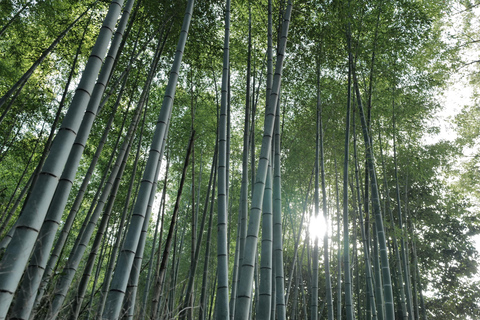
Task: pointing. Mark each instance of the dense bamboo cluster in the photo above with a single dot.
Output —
(112, 214)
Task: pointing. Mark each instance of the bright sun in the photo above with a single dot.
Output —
(317, 227)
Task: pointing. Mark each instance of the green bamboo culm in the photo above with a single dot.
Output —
(141, 245)
(33, 178)
(265, 291)
(127, 254)
(222, 305)
(398, 271)
(326, 258)
(339, 251)
(246, 274)
(404, 252)
(109, 192)
(35, 271)
(244, 189)
(193, 267)
(371, 308)
(28, 225)
(203, 296)
(137, 263)
(63, 234)
(346, 241)
(107, 198)
(277, 226)
(386, 277)
(171, 237)
(243, 207)
(314, 294)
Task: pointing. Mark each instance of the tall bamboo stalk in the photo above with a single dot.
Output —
(387, 283)
(346, 241)
(222, 307)
(326, 258)
(246, 274)
(277, 224)
(404, 260)
(125, 261)
(193, 266)
(264, 308)
(59, 201)
(132, 287)
(65, 232)
(398, 275)
(339, 250)
(314, 295)
(109, 192)
(371, 308)
(203, 296)
(18, 251)
(246, 144)
(168, 242)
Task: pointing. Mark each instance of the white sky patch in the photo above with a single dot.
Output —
(317, 227)
(156, 214)
(476, 239)
(458, 94)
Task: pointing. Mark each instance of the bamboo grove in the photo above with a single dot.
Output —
(232, 160)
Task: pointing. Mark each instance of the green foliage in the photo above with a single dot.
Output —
(412, 61)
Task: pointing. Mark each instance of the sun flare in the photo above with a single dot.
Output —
(317, 227)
